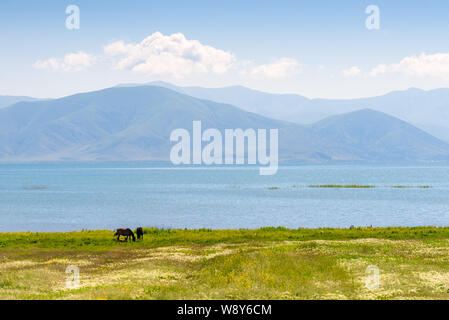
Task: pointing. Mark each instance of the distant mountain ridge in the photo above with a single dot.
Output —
(134, 123)
(377, 136)
(6, 101)
(250, 100)
(428, 110)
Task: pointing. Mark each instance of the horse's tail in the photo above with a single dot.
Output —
(134, 237)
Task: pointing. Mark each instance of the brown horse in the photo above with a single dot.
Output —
(126, 233)
(139, 233)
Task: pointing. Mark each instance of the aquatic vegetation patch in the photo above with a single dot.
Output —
(34, 188)
(411, 187)
(356, 186)
(348, 186)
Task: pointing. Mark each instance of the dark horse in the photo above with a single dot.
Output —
(126, 233)
(139, 233)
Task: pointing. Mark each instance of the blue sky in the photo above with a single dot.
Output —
(314, 48)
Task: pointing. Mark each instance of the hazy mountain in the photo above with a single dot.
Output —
(6, 101)
(134, 123)
(274, 106)
(428, 110)
(129, 124)
(378, 136)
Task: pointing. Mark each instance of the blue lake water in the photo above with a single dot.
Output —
(76, 196)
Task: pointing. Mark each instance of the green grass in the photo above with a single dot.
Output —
(267, 263)
(103, 239)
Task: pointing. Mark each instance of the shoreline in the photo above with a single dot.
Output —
(155, 236)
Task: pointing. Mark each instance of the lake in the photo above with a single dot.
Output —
(76, 196)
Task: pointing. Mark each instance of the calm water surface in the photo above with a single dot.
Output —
(76, 196)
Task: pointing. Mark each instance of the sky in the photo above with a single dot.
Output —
(318, 49)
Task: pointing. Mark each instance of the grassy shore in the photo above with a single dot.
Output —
(268, 263)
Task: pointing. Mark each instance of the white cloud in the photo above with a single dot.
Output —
(436, 65)
(380, 69)
(282, 68)
(70, 62)
(433, 65)
(352, 72)
(172, 55)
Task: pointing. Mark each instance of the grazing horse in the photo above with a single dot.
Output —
(124, 232)
(139, 233)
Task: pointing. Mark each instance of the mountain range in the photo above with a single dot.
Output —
(428, 110)
(134, 123)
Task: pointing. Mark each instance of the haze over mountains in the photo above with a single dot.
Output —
(6, 101)
(134, 123)
(378, 136)
(428, 110)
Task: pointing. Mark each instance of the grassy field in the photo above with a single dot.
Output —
(268, 263)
